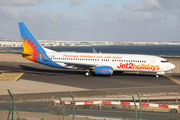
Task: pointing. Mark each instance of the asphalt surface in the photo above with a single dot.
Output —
(45, 107)
(99, 85)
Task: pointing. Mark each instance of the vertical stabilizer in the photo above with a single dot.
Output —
(32, 49)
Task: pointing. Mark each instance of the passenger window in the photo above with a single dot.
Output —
(164, 61)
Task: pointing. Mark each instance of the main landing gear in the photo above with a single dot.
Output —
(87, 73)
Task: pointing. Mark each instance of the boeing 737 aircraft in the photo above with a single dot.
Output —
(99, 63)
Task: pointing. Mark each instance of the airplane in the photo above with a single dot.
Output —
(99, 63)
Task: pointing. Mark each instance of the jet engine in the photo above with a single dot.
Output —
(103, 70)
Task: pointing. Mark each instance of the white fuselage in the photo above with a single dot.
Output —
(119, 62)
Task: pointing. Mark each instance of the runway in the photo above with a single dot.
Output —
(119, 83)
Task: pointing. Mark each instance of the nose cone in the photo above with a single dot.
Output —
(172, 66)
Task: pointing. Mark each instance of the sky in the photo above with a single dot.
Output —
(93, 20)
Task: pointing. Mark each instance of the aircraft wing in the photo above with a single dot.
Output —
(87, 65)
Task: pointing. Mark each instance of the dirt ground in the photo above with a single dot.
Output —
(38, 116)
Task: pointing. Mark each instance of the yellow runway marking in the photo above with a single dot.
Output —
(4, 71)
(10, 76)
(174, 79)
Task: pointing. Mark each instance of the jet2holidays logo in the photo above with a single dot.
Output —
(142, 66)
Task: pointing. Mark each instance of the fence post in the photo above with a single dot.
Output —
(73, 103)
(12, 107)
(135, 108)
(139, 105)
(63, 107)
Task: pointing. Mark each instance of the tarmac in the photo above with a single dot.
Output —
(18, 85)
(27, 86)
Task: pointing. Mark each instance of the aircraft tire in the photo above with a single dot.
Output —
(157, 76)
(87, 73)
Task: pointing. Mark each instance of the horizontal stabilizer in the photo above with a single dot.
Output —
(23, 53)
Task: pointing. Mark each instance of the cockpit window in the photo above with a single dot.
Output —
(164, 61)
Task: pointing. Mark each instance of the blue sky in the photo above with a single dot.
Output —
(93, 20)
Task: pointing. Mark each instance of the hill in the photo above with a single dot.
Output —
(1, 38)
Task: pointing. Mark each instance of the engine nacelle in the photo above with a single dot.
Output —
(103, 70)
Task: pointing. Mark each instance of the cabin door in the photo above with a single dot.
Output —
(153, 62)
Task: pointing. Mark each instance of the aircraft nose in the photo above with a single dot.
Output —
(172, 66)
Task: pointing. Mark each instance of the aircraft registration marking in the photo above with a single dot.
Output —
(10, 76)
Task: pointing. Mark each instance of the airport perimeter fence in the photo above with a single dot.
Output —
(137, 105)
(12, 108)
(98, 102)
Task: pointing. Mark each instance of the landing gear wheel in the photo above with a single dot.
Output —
(87, 73)
(157, 76)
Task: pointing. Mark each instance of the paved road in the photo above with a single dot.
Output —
(45, 107)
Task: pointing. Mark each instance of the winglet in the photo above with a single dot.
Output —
(94, 51)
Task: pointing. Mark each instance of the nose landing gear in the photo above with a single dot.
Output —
(157, 75)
